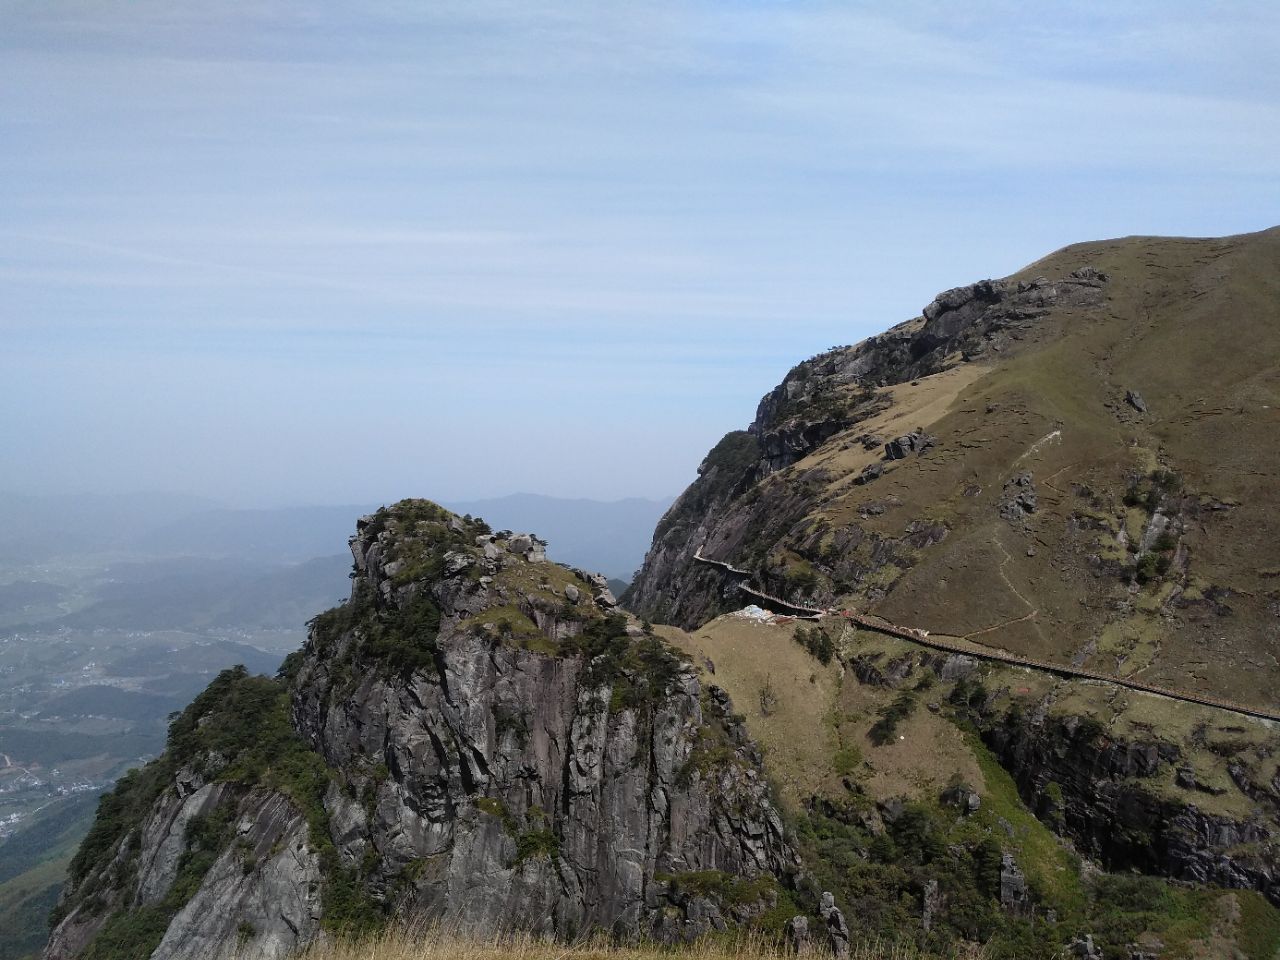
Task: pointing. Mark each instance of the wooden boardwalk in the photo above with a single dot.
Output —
(922, 637)
(802, 612)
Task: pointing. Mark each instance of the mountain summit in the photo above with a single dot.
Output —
(1075, 463)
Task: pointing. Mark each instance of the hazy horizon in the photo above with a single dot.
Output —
(200, 501)
(288, 254)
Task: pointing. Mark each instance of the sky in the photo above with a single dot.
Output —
(297, 253)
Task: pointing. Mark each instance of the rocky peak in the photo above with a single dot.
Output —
(475, 737)
(422, 570)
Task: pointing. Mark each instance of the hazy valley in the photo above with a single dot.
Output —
(116, 612)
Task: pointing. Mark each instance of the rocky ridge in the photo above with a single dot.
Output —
(732, 508)
(1106, 791)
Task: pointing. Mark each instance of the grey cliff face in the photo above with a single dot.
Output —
(475, 766)
(252, 914)
(162, 843)
(163, 840)
(517, 794)
(1113, 818)
(262, 913)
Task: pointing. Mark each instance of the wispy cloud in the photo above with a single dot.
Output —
(518, 210)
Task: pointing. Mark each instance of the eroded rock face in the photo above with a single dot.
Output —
(260, 900)
(477, 739)
(1115, 819)
(262, 913)
(164, 838)
(517, 794)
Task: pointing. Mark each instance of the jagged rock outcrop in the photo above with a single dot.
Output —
(499, 745)
(1015, 897)
(1020, 499)
(837, 929)
(1116, 819)
(473, 738)
(915, 442)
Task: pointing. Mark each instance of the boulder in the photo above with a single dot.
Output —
(837, 929)
(963, 797)
(1015, 896)
(1019, 499)
(797, 934)
(1089, 275)
(915, 442)
(455, 561)
(1084, 948)
(872, 471)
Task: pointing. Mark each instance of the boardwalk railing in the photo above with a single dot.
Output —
(805, 612)
(916, 635)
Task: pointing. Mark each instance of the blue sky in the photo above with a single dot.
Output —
(299, 253)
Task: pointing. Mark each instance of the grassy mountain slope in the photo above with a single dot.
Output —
(1074, 465)
(872, 752)
(1192, 326)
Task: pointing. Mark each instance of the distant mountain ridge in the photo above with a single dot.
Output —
(608, 537)
(604, 536)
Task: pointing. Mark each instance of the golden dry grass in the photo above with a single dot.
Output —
(748, 656)
(409, 943)
(921, 403)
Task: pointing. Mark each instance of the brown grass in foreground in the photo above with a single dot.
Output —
(432, 944)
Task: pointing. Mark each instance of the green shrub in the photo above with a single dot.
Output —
(883, 730)
(539, 843)
(1148, 567)
(818, 642)
(639, 670)
(846, 760)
